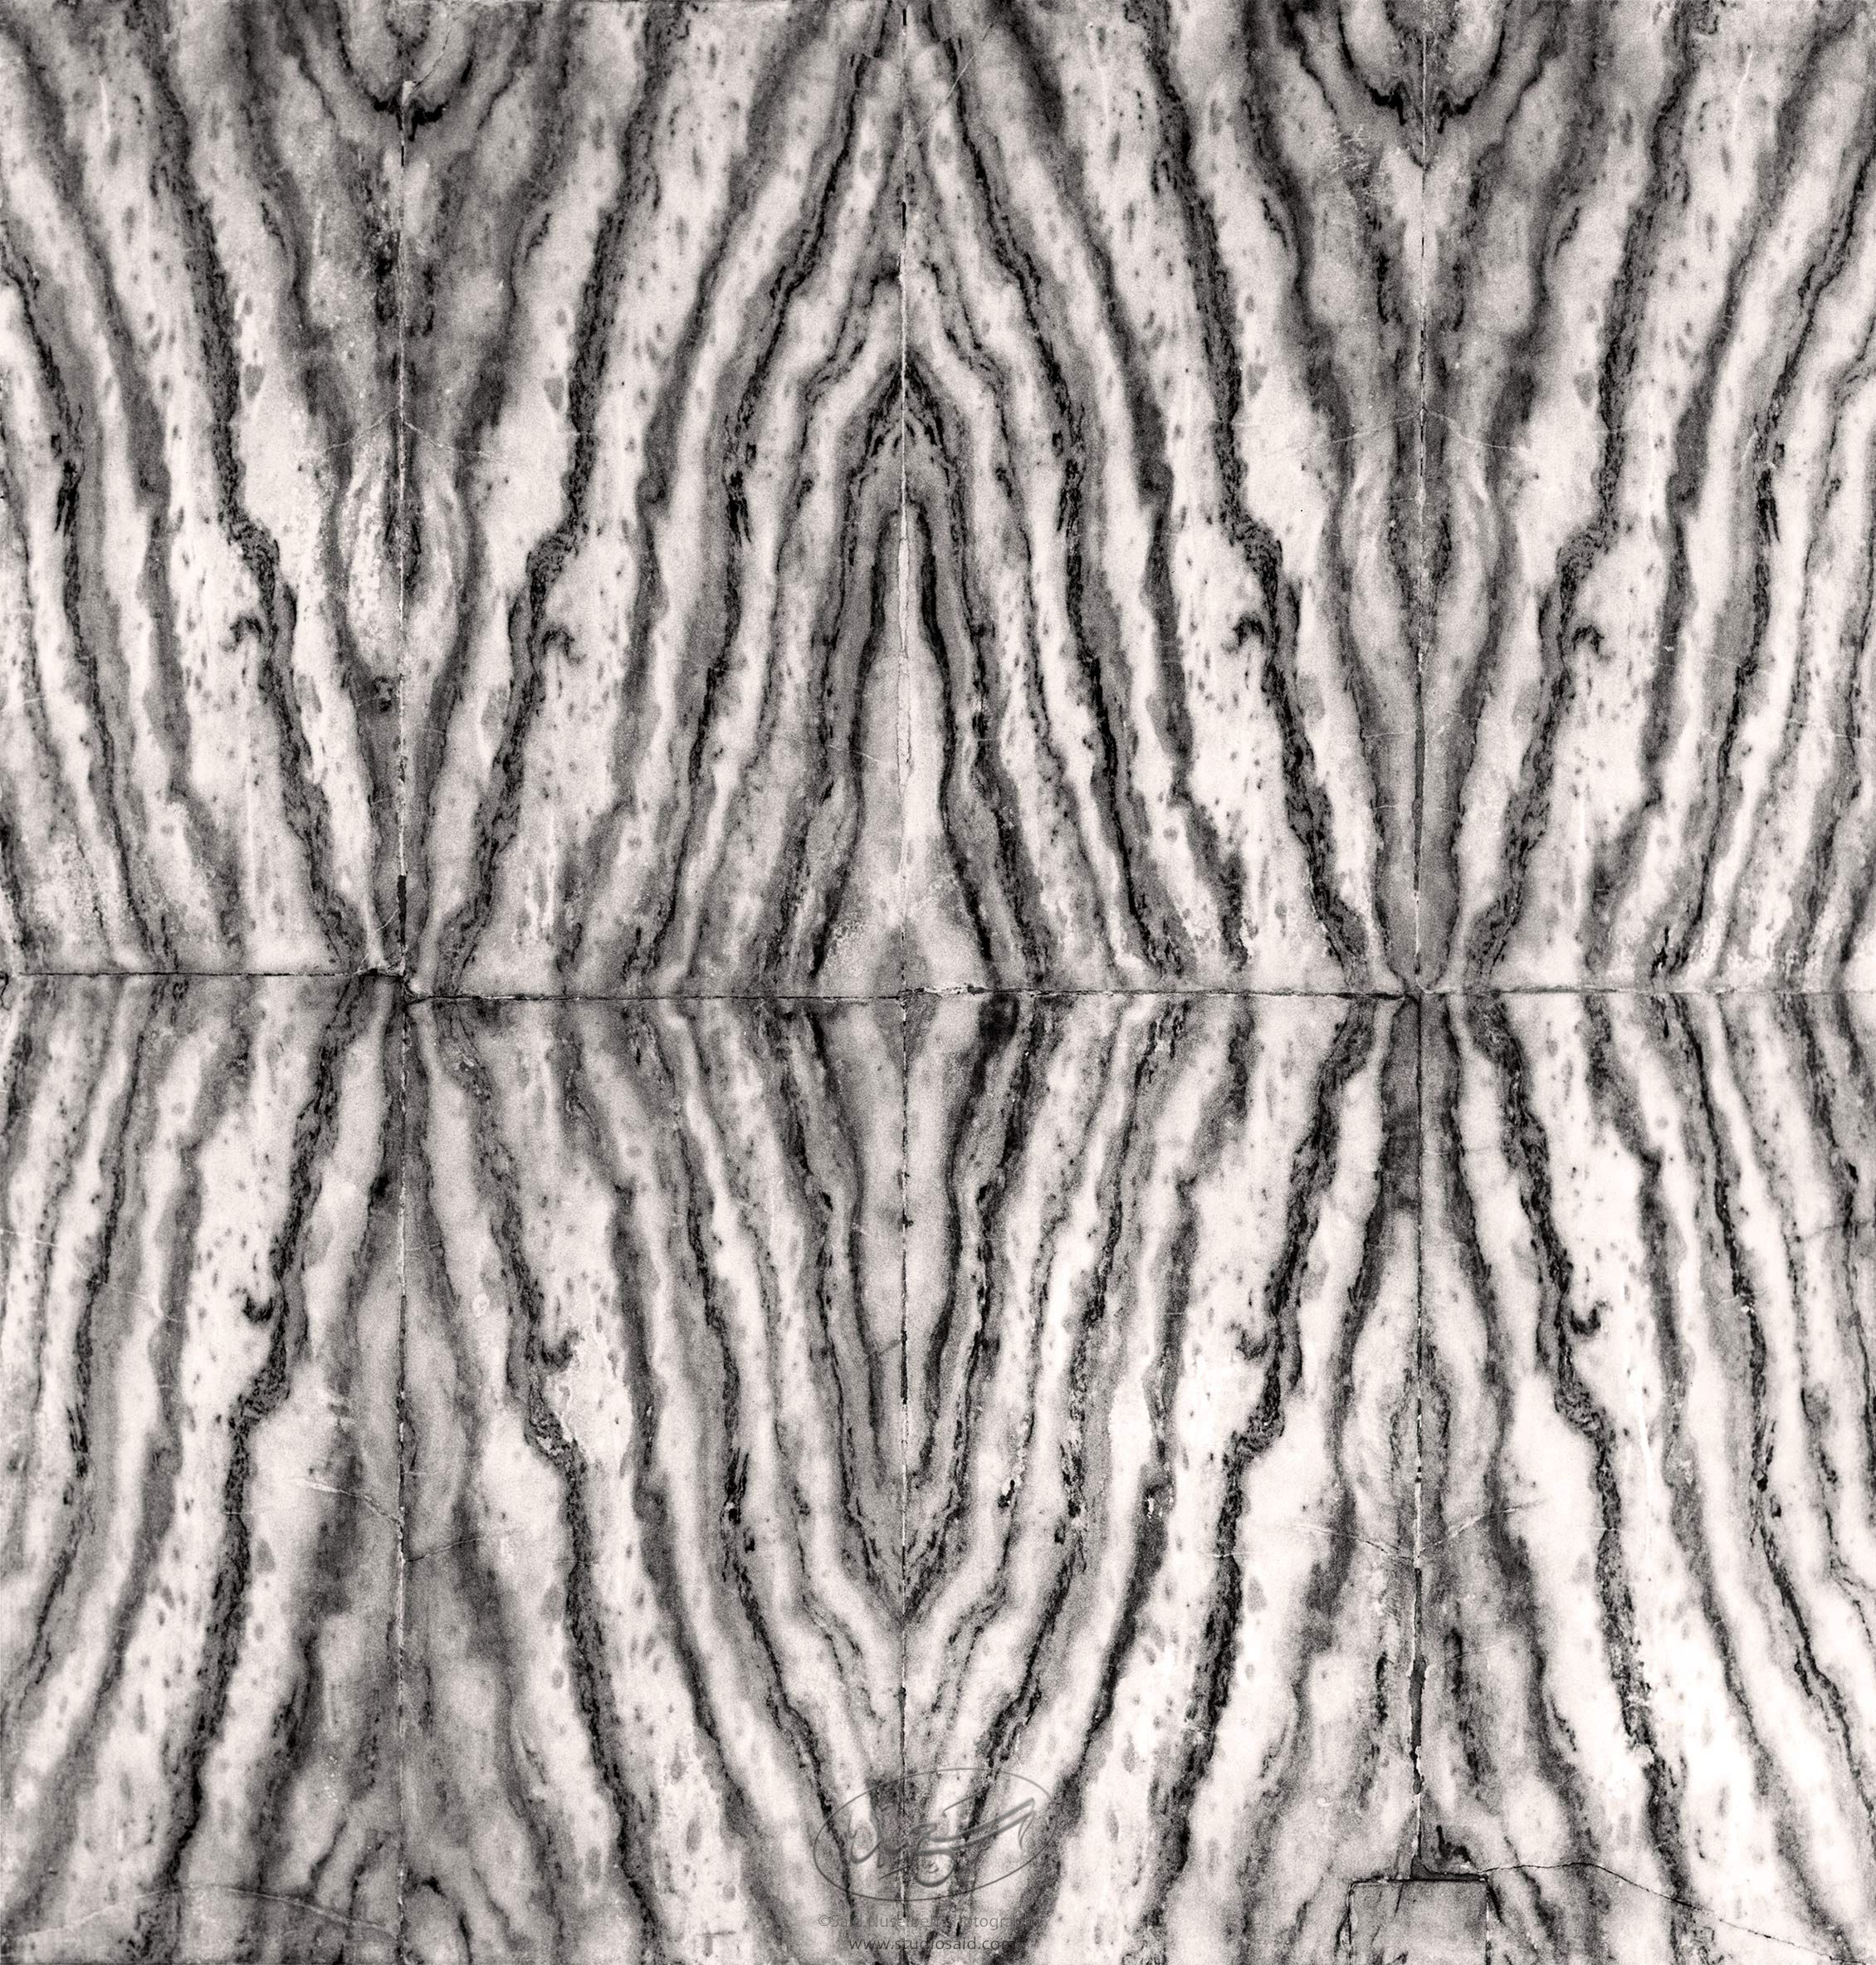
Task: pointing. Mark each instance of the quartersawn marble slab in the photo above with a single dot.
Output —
(198, 489)
(198, 1471)
(1159, 276)
(1649, 1475)
(1649, 686)
(729, 1502)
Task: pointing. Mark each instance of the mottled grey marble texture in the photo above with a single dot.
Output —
(199, 1567)
(937, 912)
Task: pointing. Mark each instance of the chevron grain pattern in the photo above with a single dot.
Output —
(930, 954)
(198, 1365)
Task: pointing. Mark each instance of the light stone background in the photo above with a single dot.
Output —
(894, 886)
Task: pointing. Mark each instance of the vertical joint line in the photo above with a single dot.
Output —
(1416, 1692)
(1421, 616)
(1420, 612)
(401, 440)
(399, 1010)
(907, 136)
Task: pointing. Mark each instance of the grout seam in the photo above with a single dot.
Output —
(909, 993)
(1416, 1636)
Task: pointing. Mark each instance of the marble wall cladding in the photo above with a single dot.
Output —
(1649, 1480)
(641, 497)
(198, 544)
(199, 1474)
(1160, 275)
(937, 912)
(732, 1496)
(1652, 276)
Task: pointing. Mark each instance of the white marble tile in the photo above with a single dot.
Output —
(199, 1516)
(832, 837)
(655, 1554)
(1651, 281)
(1158, 497)
(1649, 1567)
(198, 494)
(652, 669)
(1160, 1452)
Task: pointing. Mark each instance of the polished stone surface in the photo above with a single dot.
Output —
(934, 962)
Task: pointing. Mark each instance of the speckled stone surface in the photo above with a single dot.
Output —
(935, 943)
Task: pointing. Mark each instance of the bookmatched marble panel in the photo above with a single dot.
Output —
(1159, 440)
(913, 497)
(1647, 687)
(199, 1340)
(1649, 1572)
(731, 1503)
(199, 558)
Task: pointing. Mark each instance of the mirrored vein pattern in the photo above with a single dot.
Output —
(198, 1471)
(654, 351)
(1648, 422)
(198, 655)
(734, 1506)
(1650, 1562)
(1157, 502)
(917, 930)
(894, 497)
